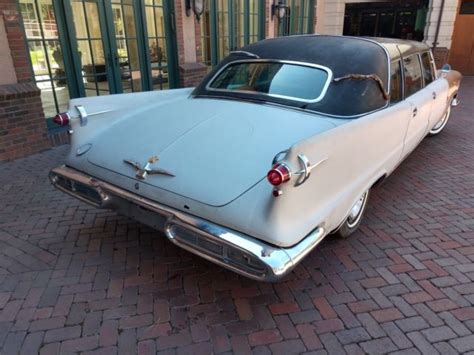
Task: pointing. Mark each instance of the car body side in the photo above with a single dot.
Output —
(354, 155)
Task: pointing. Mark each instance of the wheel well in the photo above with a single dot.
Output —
(379, 181)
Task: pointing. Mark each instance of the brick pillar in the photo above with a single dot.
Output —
(16, 40)
(22, 122)
(188, 35)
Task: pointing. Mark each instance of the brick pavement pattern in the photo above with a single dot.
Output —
(74, 279)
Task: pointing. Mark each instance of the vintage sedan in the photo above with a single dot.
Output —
(277, 148)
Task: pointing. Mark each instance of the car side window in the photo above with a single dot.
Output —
(412, 73)
(395, 82)
(428, 73)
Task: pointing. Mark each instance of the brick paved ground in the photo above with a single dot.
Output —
(77, 279)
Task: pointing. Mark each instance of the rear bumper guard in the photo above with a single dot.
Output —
(233, 250)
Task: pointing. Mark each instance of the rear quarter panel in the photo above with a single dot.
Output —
(358, 154)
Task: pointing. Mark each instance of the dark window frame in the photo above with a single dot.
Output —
(432, 67)
(402, 81)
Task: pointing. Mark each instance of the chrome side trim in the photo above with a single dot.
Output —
(290, 62)
(88, 114)
(277, 261)
(307, 167)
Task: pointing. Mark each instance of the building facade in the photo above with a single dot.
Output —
(54, 50)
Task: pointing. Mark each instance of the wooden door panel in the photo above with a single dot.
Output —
(461, 55)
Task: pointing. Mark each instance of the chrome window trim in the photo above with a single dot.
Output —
(290, 62)
(402, 87)
(249, 54)
(431, 66)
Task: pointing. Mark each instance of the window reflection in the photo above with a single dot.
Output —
(237, 24)
(291, 81)
(157, 44)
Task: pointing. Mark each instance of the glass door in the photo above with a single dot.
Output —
(125, 45)
(228, 25)
(93, 55)
(161, 46)
(299, 18)
(46, 54)
(98, 47)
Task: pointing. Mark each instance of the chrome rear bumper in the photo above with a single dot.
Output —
(238, 252)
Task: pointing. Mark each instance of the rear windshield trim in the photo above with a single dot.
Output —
(291, 62)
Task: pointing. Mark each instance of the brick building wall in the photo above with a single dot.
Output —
(22, 124)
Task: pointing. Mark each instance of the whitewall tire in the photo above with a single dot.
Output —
(353, 219)
(438, 127)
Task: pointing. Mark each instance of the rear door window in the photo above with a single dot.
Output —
(413, 75)
(427, 66)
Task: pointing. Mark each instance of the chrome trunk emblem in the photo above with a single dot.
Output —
(141, 173)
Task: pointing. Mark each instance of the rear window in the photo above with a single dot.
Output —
(280, 79)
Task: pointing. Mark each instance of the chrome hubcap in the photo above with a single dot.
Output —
(355, 213)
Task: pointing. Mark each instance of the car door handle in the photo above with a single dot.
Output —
(415, 111)
(434, 95)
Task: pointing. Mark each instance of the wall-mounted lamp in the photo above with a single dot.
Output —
(11, 16)
(196, 5)
(280, 10)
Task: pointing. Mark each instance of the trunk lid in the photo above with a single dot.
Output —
(217, 149)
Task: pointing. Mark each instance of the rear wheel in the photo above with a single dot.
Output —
(352, 221)
(441, 123)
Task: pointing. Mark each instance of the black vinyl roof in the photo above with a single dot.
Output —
(343, 55)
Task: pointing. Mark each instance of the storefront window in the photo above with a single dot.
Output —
(228, 25)
(45, 54)
(157, 43)
(299, 18)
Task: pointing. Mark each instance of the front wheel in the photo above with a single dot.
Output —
(441, 123)
(352, 221)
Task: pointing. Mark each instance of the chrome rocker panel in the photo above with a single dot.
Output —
(238, 252)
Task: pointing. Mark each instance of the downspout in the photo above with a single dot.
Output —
(438, 25)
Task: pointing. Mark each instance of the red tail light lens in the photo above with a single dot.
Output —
(61, 119)
(279, 174)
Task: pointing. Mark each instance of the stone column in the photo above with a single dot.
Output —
(188, 33)
(448, 16)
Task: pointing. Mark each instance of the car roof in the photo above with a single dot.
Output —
(344, 56)
(399, 47)
(278, 47)
(324, 50)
